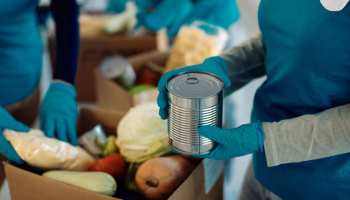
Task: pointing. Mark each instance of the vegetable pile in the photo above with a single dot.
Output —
(137, 158)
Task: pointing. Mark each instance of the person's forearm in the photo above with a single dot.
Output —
(66, 14)
(245, 63)
(308, 137)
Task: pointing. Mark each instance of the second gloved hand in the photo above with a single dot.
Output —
(214, 65)
(58, 112)
(168, 14)
(234, 142)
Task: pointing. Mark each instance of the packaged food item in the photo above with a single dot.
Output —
(119, 70)
(194, 43)
(142, 135)
(159, 177)
(195, 99)
(92, 139)
(48, 153)
(113, 165)
(99, 182)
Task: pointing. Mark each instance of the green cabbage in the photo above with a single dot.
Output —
(142, 135)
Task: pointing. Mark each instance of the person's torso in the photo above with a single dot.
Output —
(308, 71)
(20, 50)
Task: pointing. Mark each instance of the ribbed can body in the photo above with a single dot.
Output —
(190, 111)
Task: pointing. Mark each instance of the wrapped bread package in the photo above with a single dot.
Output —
(194, 43)
(48, 153)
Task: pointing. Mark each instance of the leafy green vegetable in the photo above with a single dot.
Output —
(142, 135)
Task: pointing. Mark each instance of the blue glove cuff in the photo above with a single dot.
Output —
(260, 135)
(65, 88)
(217, 61)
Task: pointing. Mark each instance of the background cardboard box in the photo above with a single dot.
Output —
(113, 97)
(95, 45)
(93, 51)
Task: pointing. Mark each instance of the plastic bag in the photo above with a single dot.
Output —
(196, 42)
(48, 153)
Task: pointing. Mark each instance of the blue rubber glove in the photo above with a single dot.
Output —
(221, 13)
(8, 122)
(145, 5)
(116, 6)
(58, 112)
(168, 14)
(214, 65)
(234, 142)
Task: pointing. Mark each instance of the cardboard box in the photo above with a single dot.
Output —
(107, 99)
(95, 45)
(26, 185)
(108, 110)
(93, 51)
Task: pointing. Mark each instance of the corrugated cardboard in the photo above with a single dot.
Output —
(94, 50)
(110, 95)
(25, 185)
(120, 99)
(90, 116)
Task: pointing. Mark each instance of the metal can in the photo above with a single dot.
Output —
(119, 70)
(195, 99)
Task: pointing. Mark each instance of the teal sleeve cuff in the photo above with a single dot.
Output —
(63, 88)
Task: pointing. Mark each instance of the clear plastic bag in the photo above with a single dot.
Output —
(196, 42)
(48, 153)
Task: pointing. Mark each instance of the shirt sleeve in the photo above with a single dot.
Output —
(308, 137)
(245, 63)
(66, 14)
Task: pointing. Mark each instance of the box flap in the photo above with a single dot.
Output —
(193, 188)
(30, 186)
(139, 60)
(90, 116)
(110, 95)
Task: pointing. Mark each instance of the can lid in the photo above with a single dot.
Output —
(195, 85)
(113, 67)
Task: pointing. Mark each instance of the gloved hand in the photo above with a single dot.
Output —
(214, 65)
(168, 14)
(116, 6)
(234, 142)
(221, 13)
(8, 122)
(58, 112)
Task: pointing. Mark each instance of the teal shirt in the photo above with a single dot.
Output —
(20, 50)
(308, 71)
